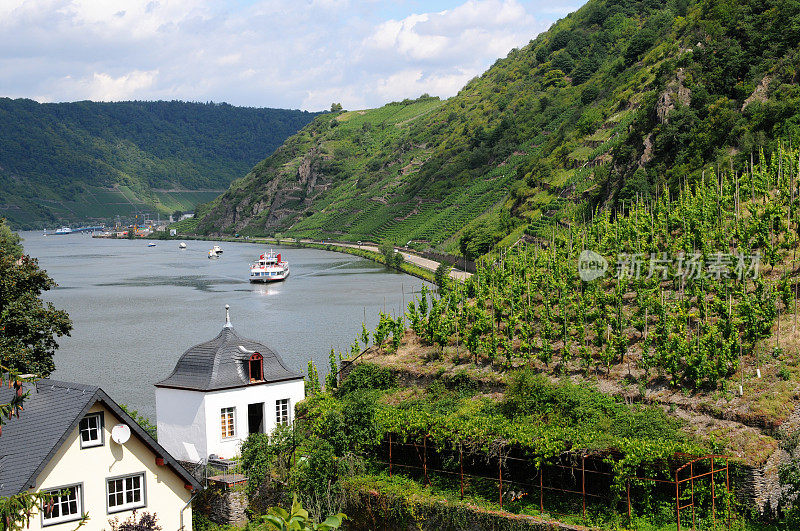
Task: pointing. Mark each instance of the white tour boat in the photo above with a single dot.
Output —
(181, 245)
(269, 268)
(64, 230)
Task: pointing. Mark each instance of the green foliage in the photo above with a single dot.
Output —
(790, 481)
(391, 257)
(142, 421)
(26, 346)
(267, 455)
(593, 112)
(298, 519)
(30, 326)
(442, 275)
(333, 371)
(687, 327)
(476, 241)
(16, 511)
(67, 162)
(367, 376)
(312, 383)
(142, 522)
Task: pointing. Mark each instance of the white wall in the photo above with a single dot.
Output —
(165, 493)
(181, 423)
(240, 398)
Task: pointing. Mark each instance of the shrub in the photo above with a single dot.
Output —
(144, 522)
(367, 376)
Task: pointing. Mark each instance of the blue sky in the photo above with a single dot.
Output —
(262, 53)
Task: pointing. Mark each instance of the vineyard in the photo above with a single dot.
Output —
(686, 291)
(695, 279)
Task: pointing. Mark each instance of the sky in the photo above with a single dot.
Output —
(302, 54)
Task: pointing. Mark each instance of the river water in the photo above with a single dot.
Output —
(136, 309)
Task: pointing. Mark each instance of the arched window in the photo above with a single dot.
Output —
(256, 367)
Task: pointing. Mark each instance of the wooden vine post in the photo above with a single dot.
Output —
(541, 488)
(461, 467)
(425, 458)
(583, 483)
(500, 473)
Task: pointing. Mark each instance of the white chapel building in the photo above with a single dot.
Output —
(220, 392)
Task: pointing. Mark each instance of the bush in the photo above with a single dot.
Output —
(367, 376)
(263, 454)
(145, 522)
(442, 276)
(477, 241)
(589, 94)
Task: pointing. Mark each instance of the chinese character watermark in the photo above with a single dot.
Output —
(591, 266)
(716, 266)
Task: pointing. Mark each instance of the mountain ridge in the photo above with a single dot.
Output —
(589, 113)
(70, 162)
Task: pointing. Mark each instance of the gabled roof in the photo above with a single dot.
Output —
(51, 412)
(222, 364)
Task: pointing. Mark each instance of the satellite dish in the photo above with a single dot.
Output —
(120, 433)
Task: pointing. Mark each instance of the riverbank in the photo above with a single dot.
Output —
(413, 264)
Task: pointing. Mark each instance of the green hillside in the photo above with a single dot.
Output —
(614, 102)
(71, 162)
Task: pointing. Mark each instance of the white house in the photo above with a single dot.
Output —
(62, 444)
(220, 392)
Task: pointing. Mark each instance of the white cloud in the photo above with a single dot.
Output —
(262, 52)
(104, 87)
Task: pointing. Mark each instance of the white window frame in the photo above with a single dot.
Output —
(92, 417)
(57, 496)
(126, 505)
(283, 411)
(231, 412)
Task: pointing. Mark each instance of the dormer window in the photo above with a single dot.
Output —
(256, 365)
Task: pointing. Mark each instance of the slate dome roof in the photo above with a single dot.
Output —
(222, 364)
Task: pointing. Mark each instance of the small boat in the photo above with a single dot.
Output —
(64, 230)
(217, 249)
(151, 244)
(181, 245)
(269, 268)
(212, 253)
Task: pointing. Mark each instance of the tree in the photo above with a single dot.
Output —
(26, 346)
(30, 326)
(476, 241)
(442, 276)
(336, 107)
(141, 420)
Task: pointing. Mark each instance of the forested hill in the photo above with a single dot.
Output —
(615, 101)
(70, 162)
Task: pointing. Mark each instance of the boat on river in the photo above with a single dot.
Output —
(151, 244)
(64, 230)
(269, 268)
(181, 245)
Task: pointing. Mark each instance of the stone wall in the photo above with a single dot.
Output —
(223, 504)
(760, 487)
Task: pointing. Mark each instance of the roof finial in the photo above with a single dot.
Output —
(228, 317)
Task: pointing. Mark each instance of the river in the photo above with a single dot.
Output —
(136, 309)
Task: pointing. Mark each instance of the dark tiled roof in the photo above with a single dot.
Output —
(51, 411)
(221, 364)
